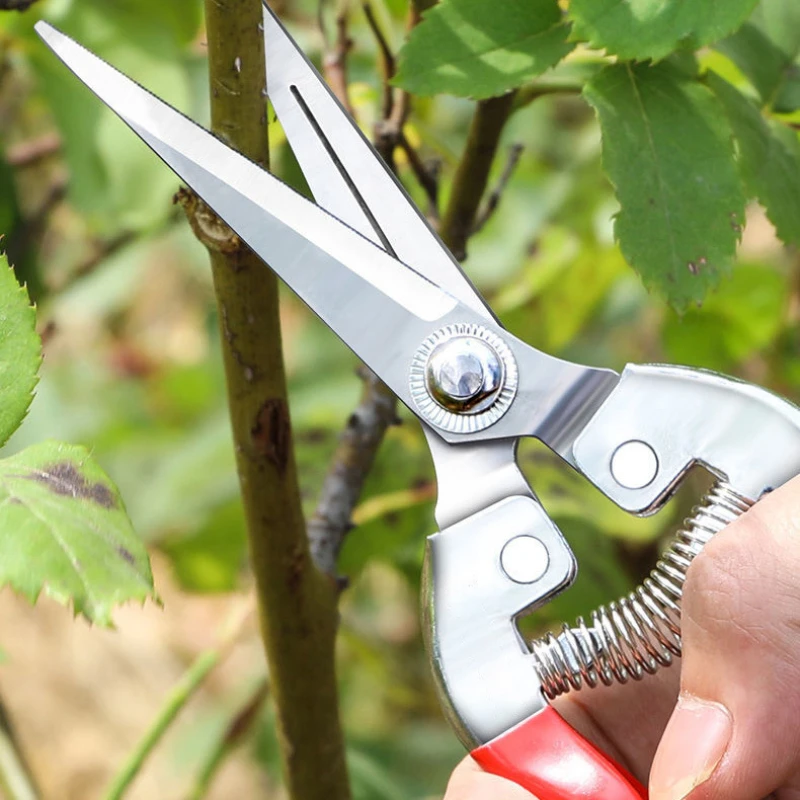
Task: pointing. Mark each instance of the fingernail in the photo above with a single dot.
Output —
(693, 744)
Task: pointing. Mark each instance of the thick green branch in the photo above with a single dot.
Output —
(472, 175)
(297, 603)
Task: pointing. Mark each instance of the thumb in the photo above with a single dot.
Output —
(734, 733)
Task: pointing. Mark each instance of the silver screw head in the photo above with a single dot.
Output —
(464, 374)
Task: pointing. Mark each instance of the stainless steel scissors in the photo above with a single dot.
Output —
(366, 261)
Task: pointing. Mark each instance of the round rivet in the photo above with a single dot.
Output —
(634, 465)
(464, 374)
(524, 559)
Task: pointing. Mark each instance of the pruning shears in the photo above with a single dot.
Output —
(368, 263)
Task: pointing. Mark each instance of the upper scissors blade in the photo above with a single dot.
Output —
(379, 307)
(346, 175)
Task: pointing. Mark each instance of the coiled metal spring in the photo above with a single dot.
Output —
(641, 632)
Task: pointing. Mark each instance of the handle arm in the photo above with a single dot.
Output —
(549, 758)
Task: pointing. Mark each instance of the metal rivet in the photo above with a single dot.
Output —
(524, 559)
(634, 465)
(464, 374)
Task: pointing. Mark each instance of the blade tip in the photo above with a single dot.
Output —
(47, 33)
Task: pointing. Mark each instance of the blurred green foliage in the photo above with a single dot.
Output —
(126, 308)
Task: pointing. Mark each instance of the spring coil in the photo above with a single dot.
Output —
(641, 632)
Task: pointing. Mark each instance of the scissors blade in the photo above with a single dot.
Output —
(346, 175)
(379, 307)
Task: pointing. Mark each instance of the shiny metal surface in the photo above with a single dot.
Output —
(641, 632)
(471, 476)
(524, 559)
(379, 307)
(744, 434)
(634, 465)
(464, 374)
(440, 357)
(346, 175)
(484, 671)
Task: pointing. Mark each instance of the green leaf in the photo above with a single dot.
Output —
(474, 49)
(64, 531)
(20, 352)
(768, 158)
(765, 50)
(668, 151)
(652, 29)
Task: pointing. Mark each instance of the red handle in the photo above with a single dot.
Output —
(546, 756)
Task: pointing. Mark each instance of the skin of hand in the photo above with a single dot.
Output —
(724, 722)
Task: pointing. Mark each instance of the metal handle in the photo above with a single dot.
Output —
(549, 758)
(745, 435)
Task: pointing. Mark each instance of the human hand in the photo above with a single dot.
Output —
(735, 731)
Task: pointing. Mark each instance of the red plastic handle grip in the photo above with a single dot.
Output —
(552, 760)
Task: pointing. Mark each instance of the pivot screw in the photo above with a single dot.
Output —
(634, 465)
(463, 378)
(464, 375)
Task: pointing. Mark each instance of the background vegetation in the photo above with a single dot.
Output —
(551, 182)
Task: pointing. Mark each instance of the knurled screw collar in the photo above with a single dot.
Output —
(463, 378)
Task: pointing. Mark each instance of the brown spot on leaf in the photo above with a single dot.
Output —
(271, 432)
(126, 554)
(63, 478)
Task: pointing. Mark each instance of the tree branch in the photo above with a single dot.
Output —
(24, 154)
(387, 61)
(297, 603)
(493, 200)
(472, 174)
(334, 62)
(349, 468)
(396, 106)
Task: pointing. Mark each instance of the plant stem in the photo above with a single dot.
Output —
(472, 175)
(16, 781)
(180, 694)
(241, 725)
(297, 603)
